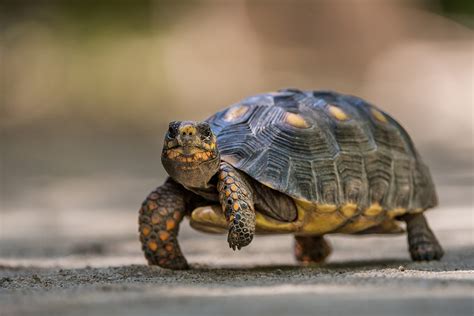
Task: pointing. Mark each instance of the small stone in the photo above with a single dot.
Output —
(401, 268)
(36, 278)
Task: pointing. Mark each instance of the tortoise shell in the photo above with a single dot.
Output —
(324, 148)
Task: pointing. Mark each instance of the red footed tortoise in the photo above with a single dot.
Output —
(307, 163)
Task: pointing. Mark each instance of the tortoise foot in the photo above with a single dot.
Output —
(173, 263)
(425, 248)
(422, 243)
(311, 249)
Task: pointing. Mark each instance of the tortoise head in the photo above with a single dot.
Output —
(190, 154)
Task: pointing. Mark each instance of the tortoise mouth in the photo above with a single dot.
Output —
(188, 154)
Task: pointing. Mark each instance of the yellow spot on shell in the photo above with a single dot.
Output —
(235, 112)
(396, 212)
(227, 193)
(349, 209)
(152, 245)
(373, 210)
(236, 206)
(229, 181)
(296, 120)
(235, 196)
(378, 115)
(233, 187)
(327, 208)
(337, 113)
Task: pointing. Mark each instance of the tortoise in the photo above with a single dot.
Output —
(307, 163)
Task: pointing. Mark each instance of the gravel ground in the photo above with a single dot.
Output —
(102, 272)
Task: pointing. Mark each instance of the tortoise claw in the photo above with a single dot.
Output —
(237, 239)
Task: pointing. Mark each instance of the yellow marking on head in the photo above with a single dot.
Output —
(378, 115)
(172, 154)
(235, 112)
(296, 120)
(373, 210)
(337, 113)
(396, 212)
(197, 154)
(326, 208)
(187, 129)
(152, 245)
(349, 209)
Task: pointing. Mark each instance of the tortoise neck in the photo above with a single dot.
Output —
(192, 175)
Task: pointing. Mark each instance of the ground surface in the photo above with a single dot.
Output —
(92, 265)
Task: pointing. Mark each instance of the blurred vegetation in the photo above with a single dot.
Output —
(459, 10)
(88, 87)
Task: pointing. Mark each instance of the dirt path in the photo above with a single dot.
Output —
(97, 275)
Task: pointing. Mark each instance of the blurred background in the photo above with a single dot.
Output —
(88, 88)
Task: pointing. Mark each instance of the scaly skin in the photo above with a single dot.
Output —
(311, 249)
(235, 196)
(159, 219)
(422, 243)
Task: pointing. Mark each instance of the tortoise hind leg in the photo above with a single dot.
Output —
(311, 249)
(422, 243)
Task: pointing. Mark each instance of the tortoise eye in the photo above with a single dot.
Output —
(172, 130)
(205, 130)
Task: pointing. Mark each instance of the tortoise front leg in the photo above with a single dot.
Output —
(159, 219)
(236, 198)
